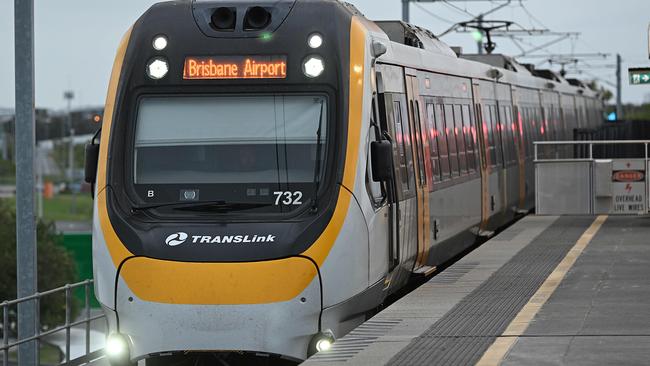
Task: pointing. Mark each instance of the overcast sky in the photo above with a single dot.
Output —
(76, 39)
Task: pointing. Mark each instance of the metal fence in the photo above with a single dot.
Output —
(592, 177)
(591, 150)
(36, 298)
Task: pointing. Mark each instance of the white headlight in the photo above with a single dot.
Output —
(323, 345)
(160, 43)
(157, 68)
(315, 40)
(116, 346)
(313, 66)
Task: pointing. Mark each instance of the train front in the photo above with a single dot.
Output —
(226, 164)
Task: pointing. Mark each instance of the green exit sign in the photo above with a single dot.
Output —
(639, 76)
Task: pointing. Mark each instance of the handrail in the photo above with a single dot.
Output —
(594, 142)
(67, 326)
(591, 144)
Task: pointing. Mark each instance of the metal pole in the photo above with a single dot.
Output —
(479, 43)
(87, 308)
(4, 154)
(25, 141)
(5, 334)
(68, 320)
(406, 16)
(68, 96)
(619, 104)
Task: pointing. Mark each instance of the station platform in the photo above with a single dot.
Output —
(548, 290)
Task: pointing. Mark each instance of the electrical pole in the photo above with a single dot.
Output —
(479, 41)
(69, 95)
(25, 141)
(619, 105)
(406, 16)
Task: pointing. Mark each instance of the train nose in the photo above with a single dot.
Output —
(283, 328)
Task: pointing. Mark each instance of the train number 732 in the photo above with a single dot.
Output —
(288, 198)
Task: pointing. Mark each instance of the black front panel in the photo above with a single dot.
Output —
(246, 219)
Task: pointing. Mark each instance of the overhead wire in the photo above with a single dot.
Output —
(458, 8)
(432, 14)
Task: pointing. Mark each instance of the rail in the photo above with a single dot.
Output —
(590, 145)
(7, 345)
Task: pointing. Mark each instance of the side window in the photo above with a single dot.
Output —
(487, 124)
(532, 130)
(469, 141)
(451, 139)
(432, 134)
(442, 143)
(508, 140)
(401, 137)
(460, 139)
(497, 127)
(418, 141)
(374, 188)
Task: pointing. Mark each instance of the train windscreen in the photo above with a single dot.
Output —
(232, 147)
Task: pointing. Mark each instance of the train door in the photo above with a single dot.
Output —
(420, 156)
(485, 160)
(399, 130)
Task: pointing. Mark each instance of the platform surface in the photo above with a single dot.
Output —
(546, 291)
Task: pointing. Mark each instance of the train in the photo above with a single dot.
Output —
(268, 172)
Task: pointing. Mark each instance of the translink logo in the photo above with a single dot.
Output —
(181, 237)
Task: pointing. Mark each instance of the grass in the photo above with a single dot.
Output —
(49, 354)
(66, 207)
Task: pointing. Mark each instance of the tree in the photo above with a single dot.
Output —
(55, 266)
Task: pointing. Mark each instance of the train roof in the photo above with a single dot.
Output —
(418, 48)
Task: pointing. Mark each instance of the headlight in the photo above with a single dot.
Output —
(160, 43)
(315, 40)
(321, 342)
(116, 347)
(313, 66)
(157, 68)
(323, 345)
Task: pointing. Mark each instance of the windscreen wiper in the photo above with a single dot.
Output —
(317, 168)
(217, 205)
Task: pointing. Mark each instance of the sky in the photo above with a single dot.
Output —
(75, 40)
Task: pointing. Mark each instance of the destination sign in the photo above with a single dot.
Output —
(235, 67)
(639, 76)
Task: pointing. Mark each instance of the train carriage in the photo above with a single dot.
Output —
(269, 172)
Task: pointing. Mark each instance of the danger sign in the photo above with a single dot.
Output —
(628, 176)
(628, 187)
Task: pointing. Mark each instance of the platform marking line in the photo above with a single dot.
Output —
(502, 345)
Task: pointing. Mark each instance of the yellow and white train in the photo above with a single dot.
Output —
(270, 171)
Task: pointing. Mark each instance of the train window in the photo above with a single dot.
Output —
(432, 134)
(529, 131)
(469, 139)
(375, 189)
(487, 124)
(239, 147)
(168, 152)
(460, 139)
(451, 139)
(442, 143)
(497, 126)
(418, 141)
(508, 140)
(532, 130)
(402, 138)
